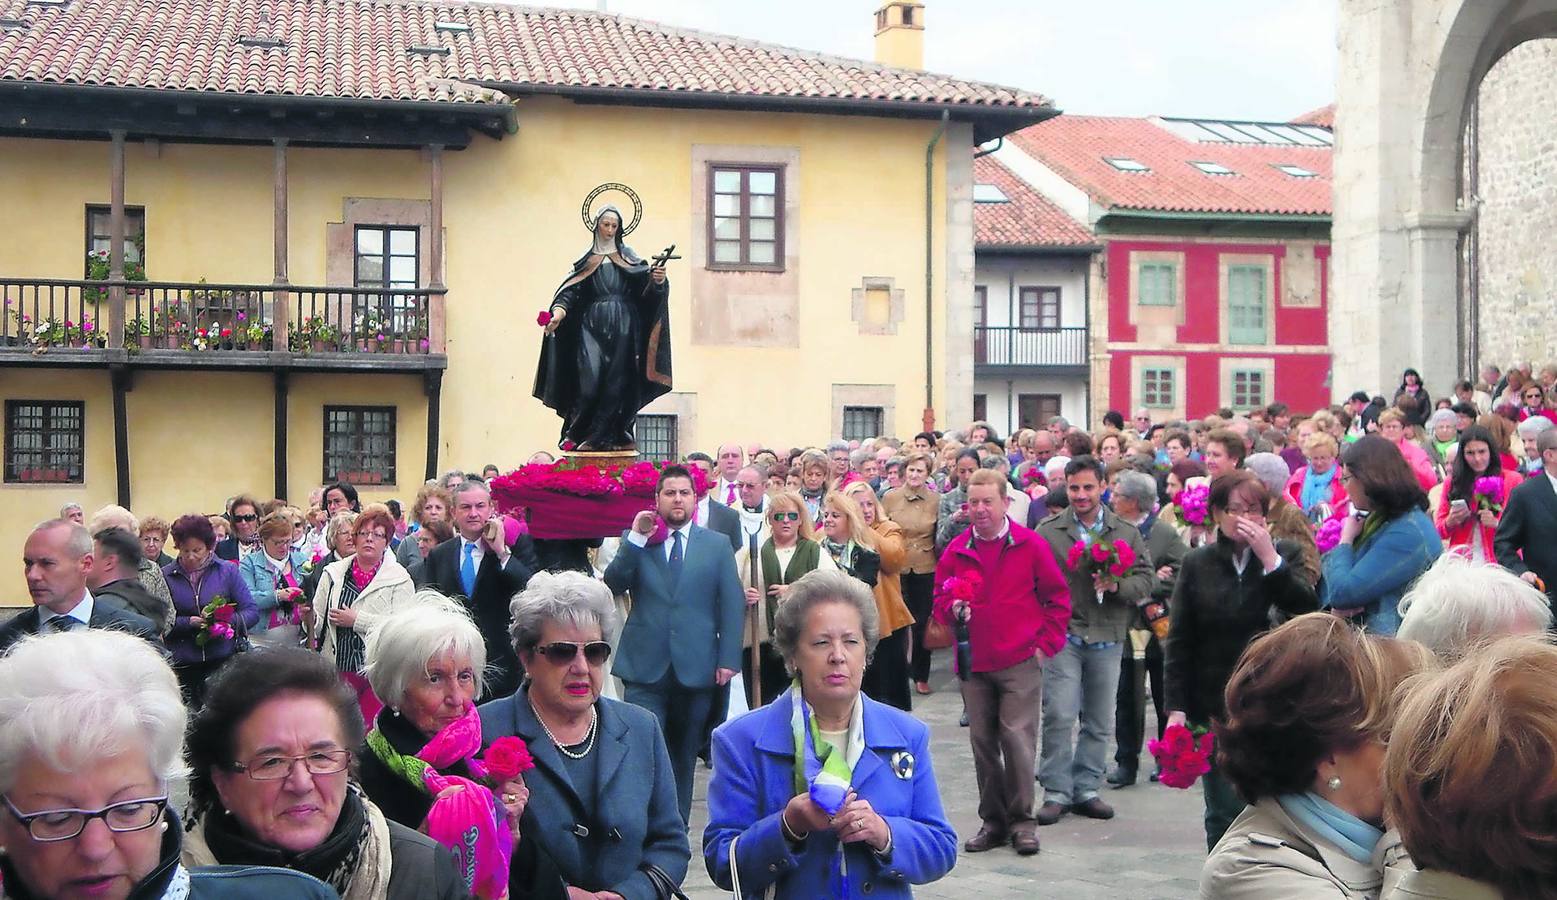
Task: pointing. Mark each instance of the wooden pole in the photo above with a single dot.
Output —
(281, 297)
(753, 560)
(115, 245)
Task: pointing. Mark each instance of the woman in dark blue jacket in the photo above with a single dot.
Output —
(825, 792)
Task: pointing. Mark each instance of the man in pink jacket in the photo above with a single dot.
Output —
(1017, 615)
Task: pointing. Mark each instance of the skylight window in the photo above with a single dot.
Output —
(1126, 164)
(1211, 168)
(989, 193)
(1296, 171)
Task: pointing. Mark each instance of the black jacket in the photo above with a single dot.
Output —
(1166, 549)
(134, 596)
(1216, 613)
(1524, 537)
(727, 522)
(495, 589)
(106, 613)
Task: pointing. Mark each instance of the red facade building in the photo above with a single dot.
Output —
(1215, 261)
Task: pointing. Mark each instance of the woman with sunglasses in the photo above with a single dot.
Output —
(1532, 402)
(789, 552)
(271, 759)
(91, 728)
(602, 796)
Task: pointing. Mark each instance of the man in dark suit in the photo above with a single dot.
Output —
(243, 512)
(57, 558)
(682, 639)
(1524, 542)
(710, 514)
(478, 567)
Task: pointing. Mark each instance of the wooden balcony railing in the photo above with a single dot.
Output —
(41, 314)
(1005, 345)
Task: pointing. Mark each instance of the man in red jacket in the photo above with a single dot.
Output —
(1019, 612)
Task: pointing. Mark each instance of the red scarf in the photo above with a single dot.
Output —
(363, 578)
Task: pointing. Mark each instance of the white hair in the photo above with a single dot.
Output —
(114, 516)
(1270, 469)
(1055, 467)
(402, 644)
(1459, 603)
(78, 698)
(570, 597)
(1533, 426)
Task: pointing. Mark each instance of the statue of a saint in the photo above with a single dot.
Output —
(607, 347)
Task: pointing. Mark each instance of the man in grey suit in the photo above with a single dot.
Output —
(57, 559)
(683, 636)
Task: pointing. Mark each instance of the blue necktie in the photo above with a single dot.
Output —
(468, 571)
(676, 558)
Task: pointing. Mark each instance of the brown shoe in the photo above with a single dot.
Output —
(1025, 840)
(922, 687)
(988, 838)
(1051, 812)
(1094, 808)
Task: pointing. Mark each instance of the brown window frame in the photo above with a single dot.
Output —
(131, 213)
(74, 457)
(385, 472)
(745, 170)
(1041, 295)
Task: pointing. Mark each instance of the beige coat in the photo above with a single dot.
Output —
(1266, 855)
(915, 512)
(390, 590)
(1430, 885)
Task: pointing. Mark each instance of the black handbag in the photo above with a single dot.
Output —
(664, 887)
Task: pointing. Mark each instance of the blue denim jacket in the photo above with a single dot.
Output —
(1377, 575)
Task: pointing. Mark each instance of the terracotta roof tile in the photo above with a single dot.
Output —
(1324, 117)
(1028, 219)
(1075, 148)
(359, 49)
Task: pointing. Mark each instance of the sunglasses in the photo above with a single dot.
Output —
(560, 653)
(786, 517)
(246, 518)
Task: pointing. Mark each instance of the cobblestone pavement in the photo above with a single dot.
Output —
(1153, 848)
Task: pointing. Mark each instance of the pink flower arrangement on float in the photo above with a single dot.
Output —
(587, 480)
(1194, 504)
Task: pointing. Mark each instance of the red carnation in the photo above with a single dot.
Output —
(1100, 552)
(226, 332)
(1077, 551)
(507, 759)
(544, 318)
(1125, 554)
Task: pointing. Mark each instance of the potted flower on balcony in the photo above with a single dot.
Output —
(97, 270)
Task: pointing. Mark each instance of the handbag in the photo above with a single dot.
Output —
(735, 877)
(938, 635)
(665, 887)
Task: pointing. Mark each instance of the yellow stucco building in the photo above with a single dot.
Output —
(388, 193)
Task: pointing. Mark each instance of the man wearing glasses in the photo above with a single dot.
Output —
(243, 512)
(682, 639)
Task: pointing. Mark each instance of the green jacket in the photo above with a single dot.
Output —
(1092, 620)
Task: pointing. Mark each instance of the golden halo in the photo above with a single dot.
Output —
(589, 220)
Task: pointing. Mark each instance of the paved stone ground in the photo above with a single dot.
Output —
(1153, 848)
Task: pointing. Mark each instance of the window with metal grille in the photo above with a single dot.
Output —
(359, 444)
(1248, 388)
(861, 422)
(656, 436)
(1040, 308)
(1157, 388)
(44, 441)
(99, 233)
(1246, 304)
(1159, 284)
(387, 256)
(746, 217)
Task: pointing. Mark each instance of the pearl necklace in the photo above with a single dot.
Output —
(562, 748)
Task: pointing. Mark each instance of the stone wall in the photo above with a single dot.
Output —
(1518, 217)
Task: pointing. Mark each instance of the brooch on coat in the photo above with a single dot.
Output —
(903, 764)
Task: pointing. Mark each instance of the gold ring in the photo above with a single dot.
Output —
(510, 798)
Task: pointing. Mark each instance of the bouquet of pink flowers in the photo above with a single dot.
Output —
(1489, 493)
(216, 621)
(1108, 559)
(1329, 534)
(1194, 504)
(1183, 755)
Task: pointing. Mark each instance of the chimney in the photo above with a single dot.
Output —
(900, 34)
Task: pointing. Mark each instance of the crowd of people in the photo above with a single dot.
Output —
(1355, 604)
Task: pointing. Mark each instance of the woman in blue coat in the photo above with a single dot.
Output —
(1378, 556)
(825, 792)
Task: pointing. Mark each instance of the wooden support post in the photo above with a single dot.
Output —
(437, 307)
(282, 391)
(120, 379)
(281, 309)
(115, 244)
(432, 383)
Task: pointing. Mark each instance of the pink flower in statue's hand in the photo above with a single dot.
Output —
(567, 446)
(544, 318)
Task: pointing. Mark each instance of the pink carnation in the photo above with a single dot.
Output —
(1329, 534)
(1490, 488)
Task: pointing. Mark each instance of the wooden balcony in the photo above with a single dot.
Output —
(156, 324)
(1049, 351)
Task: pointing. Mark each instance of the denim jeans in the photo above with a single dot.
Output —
(1079, 681)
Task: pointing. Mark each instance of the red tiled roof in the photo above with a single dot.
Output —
(1028, 220)
(1324, 117)
(362, 49)
(1075, 147)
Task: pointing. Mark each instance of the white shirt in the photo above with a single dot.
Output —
(700, 512)
(722, 490)
(642, 540)
(477, 553)
(81, 613)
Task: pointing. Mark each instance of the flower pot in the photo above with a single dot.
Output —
(145, 341)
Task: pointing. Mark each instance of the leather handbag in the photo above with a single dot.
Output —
(938, 636)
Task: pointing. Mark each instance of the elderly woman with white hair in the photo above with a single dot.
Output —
(602, 793)
(1286, 519)
(91, 733)
(427, 664)
(1442, 438)
(1460, 603)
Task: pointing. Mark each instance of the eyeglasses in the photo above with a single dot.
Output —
(276, 767)
(786, 517)
(63, 824)
(375, 534)
(1246, 511)
(246, 517)
(560, 653)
